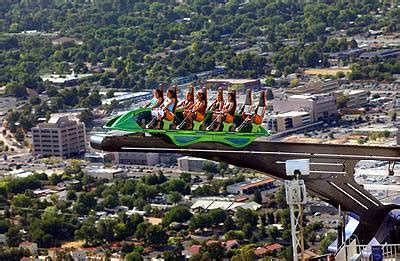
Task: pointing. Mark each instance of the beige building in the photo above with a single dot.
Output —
(315, 87)
(288, 120)
(322, 107)
(355, 98)
(61, 136)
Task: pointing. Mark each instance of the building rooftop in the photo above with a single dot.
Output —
(60, 79)
(257, 183)
(224, 204)
(190, 158)
(202, 204)
(220, 204)
(233, 81)
(58, 120)
(126, 97)
(352, 92)
(290, 114)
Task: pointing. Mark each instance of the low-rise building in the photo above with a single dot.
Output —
(64, 80)
(354, 98)
(104, 173)
(228, 205)
(288, 120)
(60, 137)
(322, 107)
(30, 246)
(189, 164)
(380, 54)
(3, 238)
(315, 87)
(254, 84)
(136, 158)
(65, 40)
(130, 97)
(78, 255)
(249, 187)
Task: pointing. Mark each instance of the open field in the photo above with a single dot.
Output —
(326, 71)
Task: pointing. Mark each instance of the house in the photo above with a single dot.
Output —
(54, 252)
(208, 204)
(213, 242)
(2, 238)
(78, 255)
(116, 257)
(273, 247)
(231, 244)
(31, 246)
(192, 250)
(263, 251)
(65, 40)
(260, 252)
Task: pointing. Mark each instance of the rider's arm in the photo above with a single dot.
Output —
(157, 103)
(172, 101)
(188, 106)
(229, 107)
(197, 106)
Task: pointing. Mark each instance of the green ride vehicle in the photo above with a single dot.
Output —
(238, 134)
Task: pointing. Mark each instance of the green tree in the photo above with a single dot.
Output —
(20, 135)
(257, 197)
(247, 216)
(105, 229)
(186, 177)
(177, 214)
(4, 226)
(16, 89)
(174, 197)
(133, 256)
(228, 225)
(325, 242)
(155, 235)
(87, 117)
(210, 167)
(13, 237)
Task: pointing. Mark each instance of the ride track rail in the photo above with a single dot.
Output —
(331, 167)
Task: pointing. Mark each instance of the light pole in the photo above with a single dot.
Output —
(296, 198)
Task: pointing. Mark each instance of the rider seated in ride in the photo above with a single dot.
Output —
(166, 110)
(218, 103)
(227, 114)
(188, 102)
(255, 116)
(157, 99)
(195, 112)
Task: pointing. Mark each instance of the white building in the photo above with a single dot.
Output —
(287, 120)
(137, 158)
(189, 164)
(131, 97)
(104, 173)
(68, 79)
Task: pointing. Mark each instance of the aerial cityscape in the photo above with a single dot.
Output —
(199, 130)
